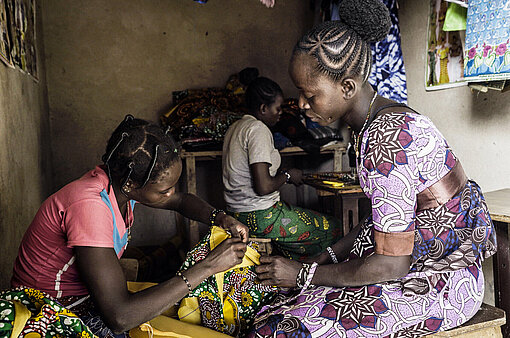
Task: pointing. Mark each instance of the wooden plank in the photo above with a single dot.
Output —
(485, 323)
(191, 185)
(336, 149)
(499, 204)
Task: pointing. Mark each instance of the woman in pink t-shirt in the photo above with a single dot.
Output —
(72, 248)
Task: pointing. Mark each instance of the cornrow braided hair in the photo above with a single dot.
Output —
(342, 48)
(260, 91)
(140, 151)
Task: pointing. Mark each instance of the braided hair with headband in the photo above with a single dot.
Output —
(342, 48)
(140, 151)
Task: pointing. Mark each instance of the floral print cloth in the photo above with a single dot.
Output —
(229, 308)
(487, 37)
(30, 312)
(401, 154)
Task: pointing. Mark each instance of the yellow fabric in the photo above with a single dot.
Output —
(189, 310)
(22, 315)
(163, 326)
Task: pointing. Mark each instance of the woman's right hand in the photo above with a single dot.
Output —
(225, 256)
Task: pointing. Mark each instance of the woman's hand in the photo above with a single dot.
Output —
(278, 271)
(226, 255)
(236, 228)
(296, 176)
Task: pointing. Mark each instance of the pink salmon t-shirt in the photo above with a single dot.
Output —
(82, 213)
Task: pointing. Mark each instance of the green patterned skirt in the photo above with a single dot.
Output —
(295, 232)
(30, 312)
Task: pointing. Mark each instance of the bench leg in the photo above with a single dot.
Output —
(502, 272)
(191, 185)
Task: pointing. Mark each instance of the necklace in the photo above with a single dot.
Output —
(357, 140)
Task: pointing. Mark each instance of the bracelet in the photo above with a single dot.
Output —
(286, 173)
(214, 213)
(305, 276)
(301, 276)
(188, 284)
(309, 277)
(332, 254)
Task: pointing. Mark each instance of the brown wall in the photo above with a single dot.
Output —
(109, 58)
(24, 156)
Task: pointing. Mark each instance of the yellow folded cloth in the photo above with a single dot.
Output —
(166, 326)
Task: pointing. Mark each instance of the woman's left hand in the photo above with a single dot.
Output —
(278, 271)
(236, 228)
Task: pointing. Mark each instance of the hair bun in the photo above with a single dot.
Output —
(369, 18)
(247, 75)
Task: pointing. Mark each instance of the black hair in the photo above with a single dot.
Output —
(140, 151)
(261, 91)
(342, 48)
(247, 75)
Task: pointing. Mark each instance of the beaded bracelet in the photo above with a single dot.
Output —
(188, 284)
(332, 254)
(214, 213)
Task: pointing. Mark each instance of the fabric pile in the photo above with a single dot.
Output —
(200, 118)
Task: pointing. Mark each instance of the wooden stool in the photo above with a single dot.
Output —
(486, 323)
(263, 245)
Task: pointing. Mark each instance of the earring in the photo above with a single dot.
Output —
(126, 189)
(329, 118)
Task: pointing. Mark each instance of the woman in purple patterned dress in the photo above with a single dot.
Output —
(413, 267)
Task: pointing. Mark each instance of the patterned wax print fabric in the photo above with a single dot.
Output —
(26, 312)
(402, 154)
(228, 301)
(487, 56)
(84, 307)
(296, 233)
(388, 75)
(203, 113)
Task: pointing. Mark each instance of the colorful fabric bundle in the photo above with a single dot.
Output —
(228, 301)
(26, 312)
(202, 113)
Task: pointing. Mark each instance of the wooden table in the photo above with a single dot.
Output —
(499, 208)
(346, 199)
(190, 158)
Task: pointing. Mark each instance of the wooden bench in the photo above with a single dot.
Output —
(486, 323)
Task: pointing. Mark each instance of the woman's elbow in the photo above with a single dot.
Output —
(117, 323)
(392, 267)
(262, 190)
(400, 268)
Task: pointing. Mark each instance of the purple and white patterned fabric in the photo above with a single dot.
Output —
(402, 153)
